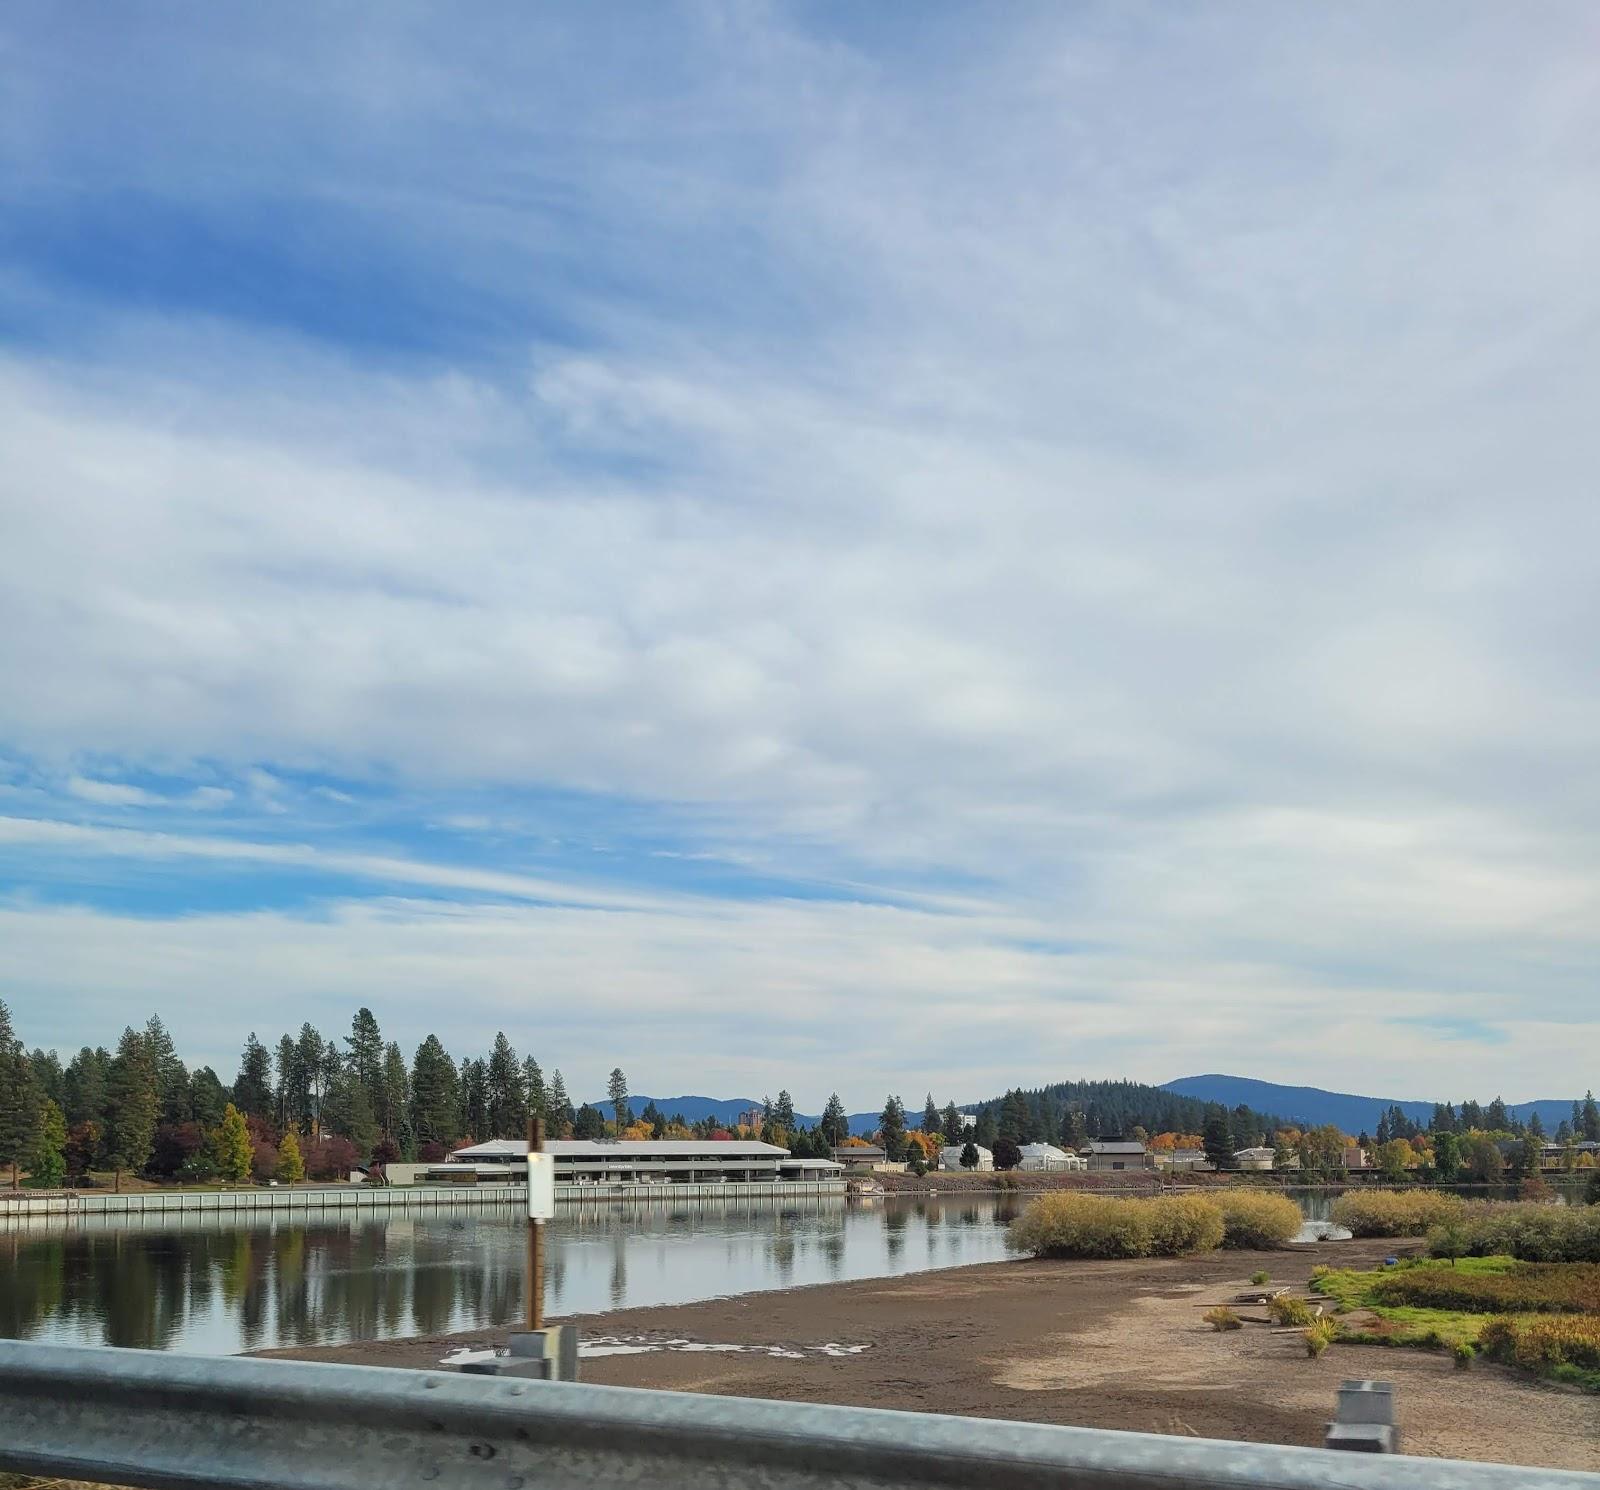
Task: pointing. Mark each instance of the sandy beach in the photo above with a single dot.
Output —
(1098, 1344)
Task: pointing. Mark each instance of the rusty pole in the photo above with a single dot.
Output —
(535, 1281)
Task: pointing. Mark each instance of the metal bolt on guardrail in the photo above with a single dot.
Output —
(172, 1422)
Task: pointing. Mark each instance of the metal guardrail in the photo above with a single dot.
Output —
(128, 1417)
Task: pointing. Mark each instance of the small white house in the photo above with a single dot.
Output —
(950, 1158)
(1047, 1157)
(1253, 1158)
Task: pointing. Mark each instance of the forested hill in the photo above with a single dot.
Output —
(1106, 1108)
(1310, 1105)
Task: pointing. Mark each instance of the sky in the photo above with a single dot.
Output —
(841, 548)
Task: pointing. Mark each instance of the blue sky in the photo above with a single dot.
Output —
(691, 533)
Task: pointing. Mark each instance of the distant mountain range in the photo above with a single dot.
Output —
(1312, 1106)
(1309, 1106)
(727, 1110)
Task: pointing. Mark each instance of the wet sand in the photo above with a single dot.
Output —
(1097, 1344)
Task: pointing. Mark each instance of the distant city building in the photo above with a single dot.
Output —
(969, 1121)
(752, 1117)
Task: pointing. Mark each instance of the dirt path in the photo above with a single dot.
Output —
(1099, 1344)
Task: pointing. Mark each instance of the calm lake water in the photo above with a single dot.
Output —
(217, 1288)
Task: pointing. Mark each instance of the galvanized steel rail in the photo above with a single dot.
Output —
(170, 1422)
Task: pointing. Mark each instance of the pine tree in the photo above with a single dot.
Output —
(287, 1060)
(538, 1097)
(435, 1094)
(133, 1104)
(207, 1097)
(252, 1088)
(312, 1051)
(46, 1153)
(234, 1150)
(172, 1078)
(84, 1086)
(952, 1123)
(48, 1078)
(365, 1060)
(19, 1099)
(930, 1115)
(783, 1113)
(835, 1125)
(1536, 1126)
(969, 1155)
(1591, 1119)
(1218, 1142)
(617, 1094)
(893, 1129)
(291, 1166)
(505, 1094)
(561, 1114)
(474, 1100)
(1497, 1118)
(395, 1090)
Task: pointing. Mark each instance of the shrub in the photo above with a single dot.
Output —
(1260, 1276)
(1222, 1318)
(1541, 1344)
(1287, 1310)
(1252, 1218)
(1319, 1335)
(1066, 1224)
(1464, 1354)
(1394, 1212)
(1526, 1288)
(1527, 1231)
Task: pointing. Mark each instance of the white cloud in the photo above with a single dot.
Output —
(111, 793)
(1140, 465)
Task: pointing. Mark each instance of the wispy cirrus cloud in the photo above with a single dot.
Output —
(1113, 479)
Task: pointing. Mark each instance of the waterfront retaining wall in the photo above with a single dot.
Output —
(316, 1198)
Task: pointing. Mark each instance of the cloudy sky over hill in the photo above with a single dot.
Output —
(836, 547)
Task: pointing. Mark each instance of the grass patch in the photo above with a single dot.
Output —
(1462, 1315)
(1260, 1276)
(1286, 1310)
(1222, 1318)
(1319, 1335)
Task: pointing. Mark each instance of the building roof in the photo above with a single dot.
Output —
(958, 1148)
(1254, 1153)
(1041, 1151)
(859, 1151)
(1117, 1147)
(642, 1148)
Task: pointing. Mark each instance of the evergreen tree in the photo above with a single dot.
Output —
(287, 1060)
(46, 1153)
(1218, 1142)
(357, 1121)
(893, 1129)
(1536, 1126)
(172, 1078)
(1590, 1119)
(538, 1094)
(969, 1155)
(84, 1086)
(133, 1104)
(234, 1151)
(48, 1079)
(835, 1125)
(19, 1100)
(435, 1094)
(207, 1097)
(986, 1132)
(783, 1113)
(395, 1088)
(291, 1165)
(312, 1050)
(365, 1058)
(561, 1114)
(953, 1127)
(504, 1092)
(1471, 1117)
(1531, 1156)
(588, 1123)
(474, 1101)
(930, 1115)
(617, 1094)
(252, 1089)
(1497, 1118)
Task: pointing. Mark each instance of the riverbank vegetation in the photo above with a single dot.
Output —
(1541, 1317)
(1065, 1224)
(1380, 1213)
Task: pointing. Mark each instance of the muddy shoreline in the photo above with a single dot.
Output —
(1097, 1344)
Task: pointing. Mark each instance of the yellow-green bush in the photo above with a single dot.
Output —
(1528, 1231)
(1287, 1310)
(1222, 1318)
(1544, 1342)
(1253, 1218)
(1395, 1212)
(1068, 1224)
(1319, 1335)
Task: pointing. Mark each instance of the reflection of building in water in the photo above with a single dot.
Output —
(642, 1162)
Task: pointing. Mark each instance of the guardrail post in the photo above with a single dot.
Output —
(1363, 1421)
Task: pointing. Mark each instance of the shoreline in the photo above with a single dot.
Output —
(1105, 1344)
